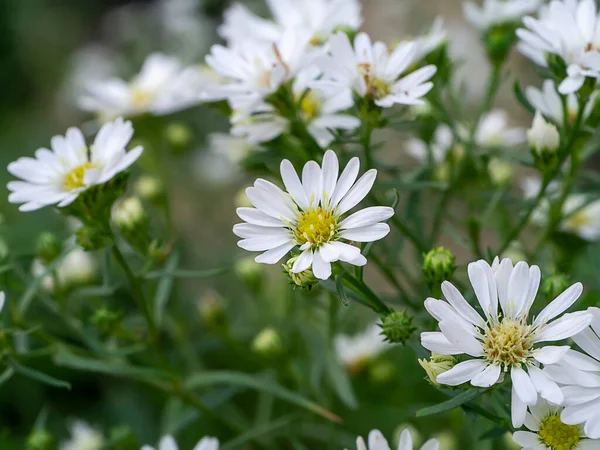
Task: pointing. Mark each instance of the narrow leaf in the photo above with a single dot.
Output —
(187, 273)
(165, 286)
(341, 383)
(39, 376)
(454, 402)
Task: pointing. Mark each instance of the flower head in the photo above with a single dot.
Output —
(355, 352)
(371, 70)
(83, 437)
(76, 268)
(494, 131)
(566, 29)
(547, 431)
(503, 340)
(163, 86)
(309, 216)
(58, 176)
(498, 12)
(549, 103)
(168, 443)
(378, 442)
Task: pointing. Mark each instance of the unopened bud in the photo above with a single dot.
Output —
(397, 327)
(106, 321)
(179, 135)
(438, 266)
(383, 371)
(305, 279)
(212, 310)
(437, 365)
(249, 271)
(501, 172)
(129, 214)
(555, 285)
(48, 247)
(544, 141)
(498, 41)
(148, 187)
(92, 238)
(267, 343)
(41, 440)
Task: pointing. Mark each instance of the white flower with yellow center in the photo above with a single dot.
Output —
(309, 216)
(549, 432)
(494, 131)
(358, 350)
(168, 443)
(83, 437)
(58, 176)
(579, 375)
(548, 101)
(497, 12)
(372, 70)
(378, 442)
(163, 86)
(504, 340)
(569, 30)
(319, 17)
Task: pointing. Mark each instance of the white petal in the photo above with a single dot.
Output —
(436, 342)
(367, 216)
(275, 254)
(518, 409)
(518, 287)
(311, 181)
(292, 184)
(479, 282)
(461, 339)
(406, 442)
(459, 303)
(550, 354)
(366, 234)
(346, 180)
(358, 192)
(303, 262)
(547, 388)
(330, 174)
(488, 377)
(256, 217)
(560, 304)
(523, 386)
(528, 440)
(565, 327)
(321, 268)
(329, 253)
(462, 372)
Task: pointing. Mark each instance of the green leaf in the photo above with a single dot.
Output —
(454, 402)
(165, 286)
(264, 385)
(341, 383)
(412, 186)
(6, 375)
(341, 292)
(67, 359)
(187, 273)
(38, 376)
(522, 98)
(260, 431)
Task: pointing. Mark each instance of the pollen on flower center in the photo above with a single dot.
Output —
(310, 106)
(75, 178)
(376, 87)
(578, 220)
(316, 226)
(508, 343)
(557, 435)
(140, 98)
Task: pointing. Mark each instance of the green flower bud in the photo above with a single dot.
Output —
(149, 187)
(41, 440)
(305, 279)
(211, 307)
(544, 142)
(92, 238)
(383, 371)
(249, 271)
(129, 214)
(500, 171)
(555, 285)
(106, 321)
(397, 327)
(498, 42)
(438, 266)
(268, 343)
(179, 135)
(437, 365)
(48, 247)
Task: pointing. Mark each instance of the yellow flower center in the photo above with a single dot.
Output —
(310, 106)
(140, 98)
(316, 226)
(578, 220)
(557, 435)
(376, 87)
(508, 343)
(74, 179)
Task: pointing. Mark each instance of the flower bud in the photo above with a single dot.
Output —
(92, 238)
(437, 365)
(106, 321)
(500, 171)
(438, 266)
(129, 214)
(267, 343)
(47, 247)
(498, 41)
(40, 440)
(179, 136)
(305, 279)
(212, 310)
(397, 327)
(446, 440)
(544, 142)
(555, 285)
(381, 372)
(416, 435)
(149, 187)
(249, 271)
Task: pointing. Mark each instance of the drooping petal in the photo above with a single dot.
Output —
(462, 372)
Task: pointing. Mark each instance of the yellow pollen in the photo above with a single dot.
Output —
(316, 226)
(74, 179)
(376, 87)
(508, 343)
(577, 220)
(557, 435)
(310, 106)
(140, 98)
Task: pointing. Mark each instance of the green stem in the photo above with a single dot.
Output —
(375, 302)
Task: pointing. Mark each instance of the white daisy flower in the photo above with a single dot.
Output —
(58, 176)
(442, 144)
(504, 340)
(579, 374)
(494, 131)
(498, 12)
(378, 442)
(370, 69)
(163, 86)
(568, 29)
(309, 216)
(356, 351)
(319, 17)
(549, 432)
(549, 103)
(254, 69)
(168, 443)
(83, 437)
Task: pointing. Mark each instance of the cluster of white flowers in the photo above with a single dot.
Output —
(168, 443)
(377, 441)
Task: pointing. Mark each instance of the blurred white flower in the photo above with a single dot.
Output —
(542, 136)
(430, 41)
(442, 144)
(235, 149)
(497, 12)
(58, 176)
(83, 437)
(567, 29)
(163, 86)
(256, 123)
(549, 432)
(358, 350)
(128, 213)
(504, 340)
(494, 131)
(579, 375)
(168, 443)
(549, 103)
(309, 216)
(76, 269)
(378, 442)
(319, 17)
(371, 70)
